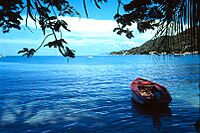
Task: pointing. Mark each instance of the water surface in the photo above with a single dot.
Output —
(54, 94)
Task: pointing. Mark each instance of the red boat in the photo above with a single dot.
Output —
(147, 92)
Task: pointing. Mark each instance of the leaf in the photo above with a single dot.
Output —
(129, 34)
(69, 53)
(23, 50)
(52, 18)
(64, 25)
(18, 15)
(43, 25)
(117, 16)
(63, 41)
(119, 32)
(57, 26)
(42, 11)
(50, 44)
(63, 22)
(31, 52)
(56, 43)
(43, 28)
(27, 52)
(15, 26)
(115, 29)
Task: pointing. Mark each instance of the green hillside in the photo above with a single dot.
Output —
(180, 43)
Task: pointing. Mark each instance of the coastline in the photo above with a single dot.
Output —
(157, 53)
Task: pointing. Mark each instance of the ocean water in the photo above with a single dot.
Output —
(93, 95)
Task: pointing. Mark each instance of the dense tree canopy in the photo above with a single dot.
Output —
(168, 16)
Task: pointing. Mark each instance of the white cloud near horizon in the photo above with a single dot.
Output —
(17, 41)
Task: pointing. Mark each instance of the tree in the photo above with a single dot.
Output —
(168, 16)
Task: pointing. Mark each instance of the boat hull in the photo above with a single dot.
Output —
(164, 98)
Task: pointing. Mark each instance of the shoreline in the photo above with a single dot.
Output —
(163, 53)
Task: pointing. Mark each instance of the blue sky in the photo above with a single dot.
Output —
(88, 36)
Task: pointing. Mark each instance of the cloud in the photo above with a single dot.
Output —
(90, 25)
(101, 31)
(17, 41)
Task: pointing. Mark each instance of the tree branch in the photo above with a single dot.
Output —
(43, 42)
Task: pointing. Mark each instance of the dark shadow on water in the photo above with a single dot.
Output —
(21, 113)
(155, 111)
(57, 123)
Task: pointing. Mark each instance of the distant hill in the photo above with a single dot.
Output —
(180, 43)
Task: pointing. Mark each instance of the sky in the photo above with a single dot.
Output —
(88, 36)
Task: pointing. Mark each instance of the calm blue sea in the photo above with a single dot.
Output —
(92, 95)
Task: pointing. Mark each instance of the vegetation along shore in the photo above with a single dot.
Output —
(179, 44)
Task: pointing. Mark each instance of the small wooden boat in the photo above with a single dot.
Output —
(147, 92)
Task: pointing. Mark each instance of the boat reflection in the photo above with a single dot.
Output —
(155, 111)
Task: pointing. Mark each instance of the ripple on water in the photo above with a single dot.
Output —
(94, 96)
